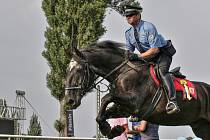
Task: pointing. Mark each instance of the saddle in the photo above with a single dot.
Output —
(176, 72)
(181, 84)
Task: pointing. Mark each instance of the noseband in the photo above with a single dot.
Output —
(72, 88)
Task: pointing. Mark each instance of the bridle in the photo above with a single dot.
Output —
(85, 83)
(85, 87)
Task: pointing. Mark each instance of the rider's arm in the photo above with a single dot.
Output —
(128, 44)
(149, 52)
(152, 39)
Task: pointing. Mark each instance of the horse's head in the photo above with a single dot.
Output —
(79, 80)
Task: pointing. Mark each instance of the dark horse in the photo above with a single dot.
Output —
(133, 91)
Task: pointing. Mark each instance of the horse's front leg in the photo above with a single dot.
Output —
(115, 111)
(104, 126)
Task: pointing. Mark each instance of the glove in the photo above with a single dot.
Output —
(133, 57)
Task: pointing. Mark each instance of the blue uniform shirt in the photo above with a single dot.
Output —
(148, 36)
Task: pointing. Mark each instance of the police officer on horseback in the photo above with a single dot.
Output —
(144, 37)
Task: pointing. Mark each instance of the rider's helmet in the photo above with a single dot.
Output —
(132, 8)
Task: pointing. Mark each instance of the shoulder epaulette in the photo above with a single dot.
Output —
(128, 30)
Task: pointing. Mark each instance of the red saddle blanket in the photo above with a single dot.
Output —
(183, 85)
(186, 86)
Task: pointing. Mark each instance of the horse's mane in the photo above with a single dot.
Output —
(108, 44)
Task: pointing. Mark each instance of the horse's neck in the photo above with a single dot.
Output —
(108, 74)
(107, 70)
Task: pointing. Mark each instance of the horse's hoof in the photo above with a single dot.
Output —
(110, 136)
(105, 128)
(116, 131)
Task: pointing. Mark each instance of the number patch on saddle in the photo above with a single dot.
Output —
(187, 87)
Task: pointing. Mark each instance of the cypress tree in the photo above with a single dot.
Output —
(34, 127)
(70, 22)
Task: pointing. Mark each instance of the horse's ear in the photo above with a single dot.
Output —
(68, 52)
(78, 54)
(75, 53)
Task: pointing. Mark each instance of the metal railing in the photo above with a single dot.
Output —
(26, 137)
(12, 113)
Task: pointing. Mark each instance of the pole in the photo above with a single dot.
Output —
(98, 99)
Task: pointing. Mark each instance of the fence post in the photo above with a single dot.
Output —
(98, 99)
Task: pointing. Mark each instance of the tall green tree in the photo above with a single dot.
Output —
(34, 127)
(77, 22)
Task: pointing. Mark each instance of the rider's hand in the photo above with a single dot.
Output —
(133, 57)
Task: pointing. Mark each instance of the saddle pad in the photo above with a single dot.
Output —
(186, 86)
(183, 85)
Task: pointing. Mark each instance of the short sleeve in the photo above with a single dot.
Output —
(152, 36)
(129, 46)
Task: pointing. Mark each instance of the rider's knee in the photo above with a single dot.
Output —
(163, 70)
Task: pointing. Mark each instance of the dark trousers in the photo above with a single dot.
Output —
(164, 62)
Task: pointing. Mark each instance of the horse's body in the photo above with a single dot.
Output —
(132, 91)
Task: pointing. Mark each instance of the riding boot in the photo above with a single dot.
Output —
(172, 106)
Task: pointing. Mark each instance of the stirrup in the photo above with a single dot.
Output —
(172, 107)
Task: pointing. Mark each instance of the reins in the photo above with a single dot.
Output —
(112, 71)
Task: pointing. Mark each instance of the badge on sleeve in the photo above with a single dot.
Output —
(151, 38)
